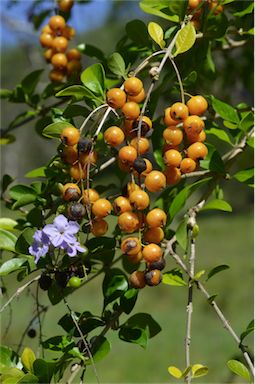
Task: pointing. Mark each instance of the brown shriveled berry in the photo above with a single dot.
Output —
(121, 204)
(152, 252)
(77, 172)
(197, 105)
(99, 227)
(188, 165)
(173, 175)
(137, 280)
(60, 44)
(138, 98)
(131, 246)
(101, 208)
(133, 86)
(172, 158)
(57, 22)
(84, 144)
(179, 111)
(153, 277)
(116, 98)
(155, 181)
(156, 218)
(71, 192)
(142, 145)
(193, 125)
(160, 264)
(90, 196)
(70, 136)
(154, 235)
(128, 222)
(127, 154)
(69, 155)
(114, 136)
(56, 75)
(197, 151)
(59, 60)
(168, 119)
(131, 110)
(140, 200)
(173, 135)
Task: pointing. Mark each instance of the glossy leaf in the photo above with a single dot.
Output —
(7, 223)
(158, 8)
(28, 378)
(30, 81)
(199, 370)
(78, 92)
(100, 348)
(54, 130)
(11, 375)
(57, 343)
(134, 335)
(27, 359)
(175, 372)
(44, 370)
(117, 65)
(11, 265)
(87, 322)
(5, 93)
(114, 285)
(216, 270)
(216, 26)
(216, 163)
(247, 121)
(6, 181)
(222, 135)
(24, 241)
(178, 8)
(137, 32)
(185, 39)
(198, 275)
(91, 51)
(246, 11)
(37, 172)
(7, 240)
(239, 369)
(128, 300)
(182, 234)
(7, 139)
(217, 204)
(249, 329)
(8, 358)
(174, 277)
(156, 33)
(93, 78)
(244, 175)
(225, 110)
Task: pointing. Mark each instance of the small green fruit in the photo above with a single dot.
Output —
(74, 282)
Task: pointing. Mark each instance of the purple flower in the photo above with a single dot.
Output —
(72, 249)
(61, 232)
(40, 245)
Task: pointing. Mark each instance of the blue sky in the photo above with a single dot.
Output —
(15, 18)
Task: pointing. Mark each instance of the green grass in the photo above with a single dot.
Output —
(223, 239)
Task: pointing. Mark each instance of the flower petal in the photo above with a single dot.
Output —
(61, 223)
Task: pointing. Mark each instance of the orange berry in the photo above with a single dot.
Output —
(46, 40)
(142, 146)
(71, 192)
(197, 151)
(166, 147)
(68, 32)
(133, 86)
(88, 157)
(194, 3)
(153, 277)
(201, 137)
(168, 119)
(48, 54)
(155, 181)
(137, 280)
(152, 252)
(154, 235)
(70, 136)
(131, 246)
(99, 227)
(197, 105)
(193, 125)
(101, 208)
(73, 54)
(65, 5)
(121, 204)
(116, 98)
(131, 110)
(179, 111)
(59, 60)
(173, 135)
(128, 222)
(90, 196)
(196, 24)
(60, 44)
(217, 8)
(135, 259)
(146, 125)
(131, 187)
(127, 154)
(124, 167)
(114, 136)
(138, 98)
(73, 67)
(188, 165)
(57, 22)
(147, 170)
(172, 158)
(47, 29)
(156, 218)
(56, 75)
(173, 175)
(69, 155)
(139, 199)
(77, 172)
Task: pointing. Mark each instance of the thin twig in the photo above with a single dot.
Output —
(146, 62)
(39, 319)
(179, 79)
(189, 308)
(74, 371)
(90, 115)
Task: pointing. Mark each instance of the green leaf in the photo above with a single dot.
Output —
(6, 181)
(24, 200)
(222, 135)
(28, 378)
(7, 139)
(225, 110)
(114, 285)
(57, 343)
(18, 191)
(30, 81)
(117, 65)
(54, 130)
(220, 205)
(87, 322)
(178, 8)
(93, 78)
(7, 240)
(186, 371)
(199, 370)
(249, 329)
(216, 26)
(175, 372)
(174, 277)
(91, 51)
(56, 293)
(37, 172)
(7, 224)
(246, 11)
(182, 234)
(11, 375)
(27, 359)
(128, 300)
(154, 7)
(247, 122)
(44, 370)
(5, 93)
(8, 358)
(198, 275)
(78, 92)
(157, 34)
(181, 198)
(250, 142)
(159, 158)
(186, 39)
(211, 298)
(217, 269)
(73, 110)
(137, 32)
(244, 175)
(239, 369)
(216, 163)
(11, 265)
(190, 79)
(100, 348)
(24, 241)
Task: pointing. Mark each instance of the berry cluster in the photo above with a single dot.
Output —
(55, 38)
(197, 7)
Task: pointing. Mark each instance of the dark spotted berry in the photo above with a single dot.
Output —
(153, 277)
(144, 128)
(139, 165)
(31, 333)
(84, 145)
(45, 282)
(76, 211)
(160, 264)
